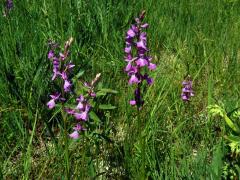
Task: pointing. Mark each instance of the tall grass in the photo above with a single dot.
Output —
(168, 139)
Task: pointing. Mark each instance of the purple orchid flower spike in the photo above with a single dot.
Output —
(9, 4)
(187, 91)
(136, 57)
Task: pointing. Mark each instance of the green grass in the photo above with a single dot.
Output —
(168, 139)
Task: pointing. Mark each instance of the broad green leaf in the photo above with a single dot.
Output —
(233, 126)
(94, 116)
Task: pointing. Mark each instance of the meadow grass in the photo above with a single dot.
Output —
(167, 139)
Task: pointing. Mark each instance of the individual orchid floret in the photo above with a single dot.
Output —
(51, 104)
(50, 54)
(75, 133)
(187, 91)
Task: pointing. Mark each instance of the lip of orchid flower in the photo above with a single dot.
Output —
(141, 45)
(67, 86)
(131, 33)
(74, 135)
(133, 80)
(81, 116)
(152, 66)
(132, 102)
(50, 54)
(141, 62)
(51, 104)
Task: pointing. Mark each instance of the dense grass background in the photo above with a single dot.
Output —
(168, 139)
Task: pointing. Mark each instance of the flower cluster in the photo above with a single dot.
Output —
(9, 4)
(187, 91)
(136, 57)
(81, 111)
(61, 68)
(8, 7)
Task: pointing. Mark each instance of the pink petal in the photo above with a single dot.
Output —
(74, 135)
(132, 102)
(51, 104)
(152, 66)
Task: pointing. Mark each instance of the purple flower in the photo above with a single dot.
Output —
(51, 104)
(133, 79)
(75, 133)
(81, 116)
(187, 91)
(132, 102)
(131, 33)
(142, 62)
(67, 86)
(56, 67)
(136, 42)
(152, 66)
(50, 54)
(9, 4)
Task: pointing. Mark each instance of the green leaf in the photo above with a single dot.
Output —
(94, 117)
(79, 74)
(103, 92)
(108, 91)
(107, 106)
(233, 126)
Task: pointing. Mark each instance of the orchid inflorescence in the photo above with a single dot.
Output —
(8, 7)
(61, 69)
(187, 91)
(136, 39)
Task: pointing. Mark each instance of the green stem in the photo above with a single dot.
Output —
(66, 153)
